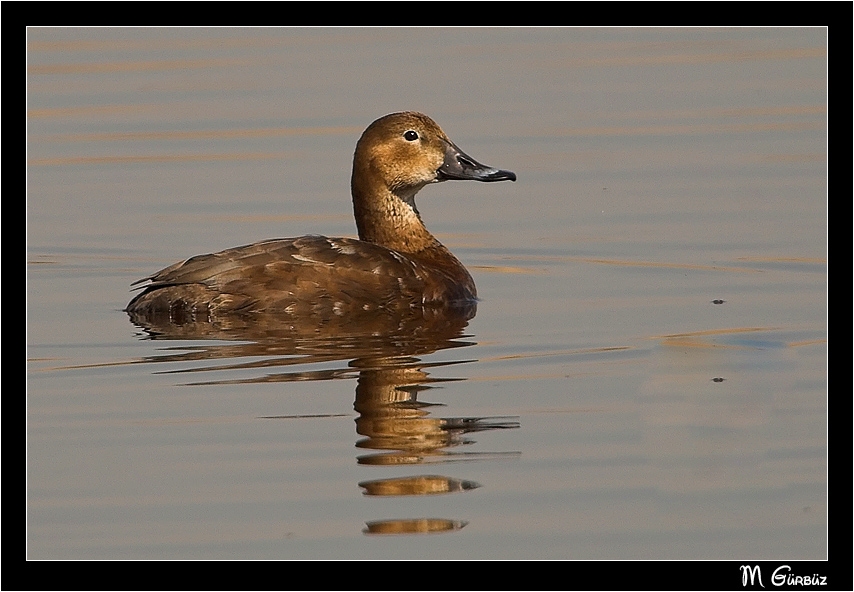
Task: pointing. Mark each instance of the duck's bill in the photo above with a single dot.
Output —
(460, 166)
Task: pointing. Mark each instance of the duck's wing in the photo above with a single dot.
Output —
(306, 275)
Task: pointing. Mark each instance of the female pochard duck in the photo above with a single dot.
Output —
(395, 263)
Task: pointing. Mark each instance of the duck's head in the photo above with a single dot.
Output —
(396, 156)
(406, 151)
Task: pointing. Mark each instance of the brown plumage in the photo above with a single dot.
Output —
(395, 264)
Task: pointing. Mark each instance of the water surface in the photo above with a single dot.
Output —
(646, 373)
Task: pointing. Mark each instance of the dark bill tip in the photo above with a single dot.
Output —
(500, 175)
(459, 165)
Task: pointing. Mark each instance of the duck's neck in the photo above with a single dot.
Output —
(392, 221)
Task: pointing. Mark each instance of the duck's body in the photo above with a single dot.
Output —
(395, 263)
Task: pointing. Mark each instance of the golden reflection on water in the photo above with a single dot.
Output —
(380, 350)
(415, 526)
(419, 485)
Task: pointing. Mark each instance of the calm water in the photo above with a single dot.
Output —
(646, 374)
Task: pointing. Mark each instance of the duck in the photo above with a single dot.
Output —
(395, 264)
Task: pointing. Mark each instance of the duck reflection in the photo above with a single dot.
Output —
(416, 526)
(382, 352)
(394, 421)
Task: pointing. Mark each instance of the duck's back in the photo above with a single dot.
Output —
(306, 276)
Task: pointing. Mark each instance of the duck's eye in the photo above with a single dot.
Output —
(410, 135)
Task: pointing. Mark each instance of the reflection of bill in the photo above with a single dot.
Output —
(394, 422)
